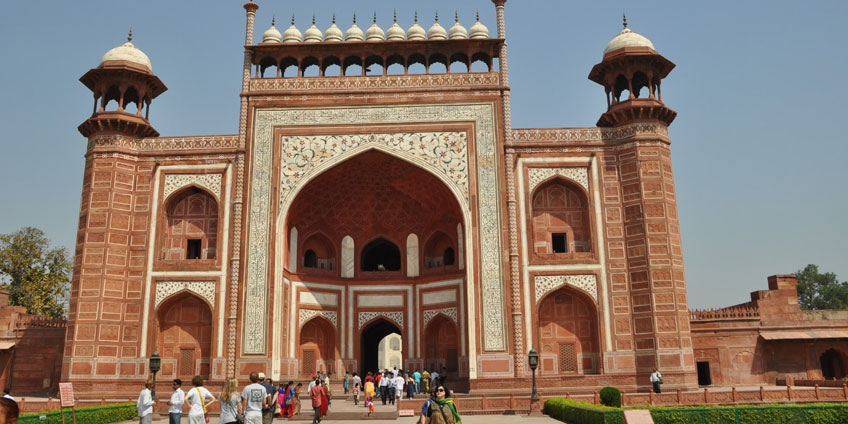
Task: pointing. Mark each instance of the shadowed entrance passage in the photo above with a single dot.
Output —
(370, 341)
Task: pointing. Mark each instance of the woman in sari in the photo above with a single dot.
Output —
(286, 399)
(325, 400)
(296, 399)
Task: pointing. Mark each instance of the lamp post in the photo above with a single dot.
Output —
(155, 364)
(533, 361)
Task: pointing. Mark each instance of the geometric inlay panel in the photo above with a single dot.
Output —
(453, 173)
(204, 289)
(548, 283)
(211, 182)
(432, 313)
(395, 316)
(578, 175)
(307, 314)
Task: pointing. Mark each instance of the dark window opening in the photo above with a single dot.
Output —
(704, 373)
(310, 259)
(381, 255)
(559, 242)
(193, 249)
(449, 256)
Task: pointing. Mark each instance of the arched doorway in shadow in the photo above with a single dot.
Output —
(442, 345)
(369, 344)
(185, 336)
(317, 347)
(568, 333)
(832, 365)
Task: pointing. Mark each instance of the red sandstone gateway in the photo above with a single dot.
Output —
(360, 199)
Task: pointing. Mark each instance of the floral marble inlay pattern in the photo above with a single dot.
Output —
(548, 283)
(204, 289)
(259, 206)
(578, 175)
(432, 313)
(174, 182)
(307, 314)
(395, 316)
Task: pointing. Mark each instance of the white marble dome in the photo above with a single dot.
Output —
(375, 33)
(395, 32)
(129, 53)
(354, 33)
(628, 38)
(478, 30)
(333, 33)
(313, 34)
(272, 35)
(457, 30)
(437, 32)
(292, 34)
(416, 32)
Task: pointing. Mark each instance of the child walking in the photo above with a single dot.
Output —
(356, 394)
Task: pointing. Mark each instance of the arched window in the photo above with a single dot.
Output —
(381, 255)
(310, 260)
(192, 226)
(449, 256)
(560, 222)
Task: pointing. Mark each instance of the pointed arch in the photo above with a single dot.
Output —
(568, 333)
(560, 218)
(191, 217)
(184, 333)
(412, 258)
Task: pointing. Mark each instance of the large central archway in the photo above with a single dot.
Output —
(388, 230)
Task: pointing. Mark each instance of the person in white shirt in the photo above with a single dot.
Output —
(145, 404)
(253, 397)
(199, 398)
(175, 404)
(384, 386)
(656, 380)
(399, 380)
(434, 379)
(7, 395)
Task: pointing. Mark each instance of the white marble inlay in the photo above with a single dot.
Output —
(347, 257)
(319, 298)
(432, 313)
(394, 316)
(204, 289)
(548, 283)
(579, 175)
(174, 182)
(307, 314)
(379, 300)
(437, 297)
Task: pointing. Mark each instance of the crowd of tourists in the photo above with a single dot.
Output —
(263, 400)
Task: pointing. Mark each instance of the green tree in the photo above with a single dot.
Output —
(36, 275)
(821, 290)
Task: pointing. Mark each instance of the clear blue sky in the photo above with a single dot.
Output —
(760, 89)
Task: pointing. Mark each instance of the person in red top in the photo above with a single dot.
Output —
(368, 378)
(378, 378)
(317, 395)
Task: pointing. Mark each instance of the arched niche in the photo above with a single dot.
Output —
(317, 347)
(317, 253)
(440, 252)
(560, 225)
(568, 333)
(184, 336)
(191, 226)
(441, 347)
(380, 255)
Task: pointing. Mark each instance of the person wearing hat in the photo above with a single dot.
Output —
(175, 404)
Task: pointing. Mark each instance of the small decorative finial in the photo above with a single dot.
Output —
(273, 19)
(313, 18)
(395, 18)
(129, 36)
(456, 17)
(354, 18)
(334, 18)
(624, 19)
(437, 16)
(375, 17)
(416, 16)
(478, 16)
(292, 19)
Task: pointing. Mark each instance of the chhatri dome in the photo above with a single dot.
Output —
(313, 34)
(627, 38)
(333, 33)
(416, 32)
(478, 30)
(354, 33)
(457, 30)
(395, 32)
(292, 34)
(437, 32)
(272, 35)
(375, 33)
(127, 52)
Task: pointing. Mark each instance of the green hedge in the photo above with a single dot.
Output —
(572, 411)
(820, 413)
(88, 415)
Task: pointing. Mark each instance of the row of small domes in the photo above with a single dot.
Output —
(374, 32)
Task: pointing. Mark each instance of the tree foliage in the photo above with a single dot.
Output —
(36, 275)
(818, 290)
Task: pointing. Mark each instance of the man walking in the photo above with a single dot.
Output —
(384, 383)
(253, 398)
(317, 395)
(268, 406)
(175, 404)
(417, 377)
(425, 381)
(144, 404)
(656, 380)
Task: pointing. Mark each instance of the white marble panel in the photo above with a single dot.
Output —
(378, 300)
(437, 297)
(319, 298)
(347, 257)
